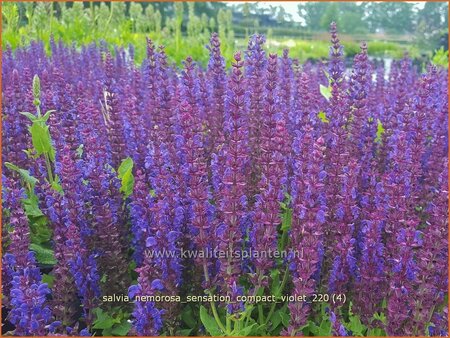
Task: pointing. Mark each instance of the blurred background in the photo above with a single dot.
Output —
(390, 28)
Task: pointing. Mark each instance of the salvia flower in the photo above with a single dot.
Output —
(346, 171)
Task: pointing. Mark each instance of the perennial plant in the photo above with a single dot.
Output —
(135, 163)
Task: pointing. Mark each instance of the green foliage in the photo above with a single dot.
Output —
(112, 324)
(376, 332)
(49, 279)
(186, 30)
(103, 321)
(325, 91)
(209, 322)
(286, 213)
(44, 255)
(80, 150)
(31, 206)
(381, 317)
(39, 230)
(380, 132)
(40, 133)
(355, 325)
(28, 180)
(188, 317)
(125, 174)
(40, 137)
(390, 49)
(323, 117)
(440, 58)
(280, 319)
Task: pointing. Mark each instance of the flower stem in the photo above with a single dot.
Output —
(213, 305)
(284, 243)
(49, 168)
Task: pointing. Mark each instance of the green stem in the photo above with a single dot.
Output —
(216, 316)
(248, 315)
(255, 292)
(284, 242)
(228, 325)
(429, 318)
(213, 305)
(49, 168)
(260, 314)
(283, 284)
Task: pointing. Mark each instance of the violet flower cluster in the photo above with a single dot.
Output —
(253, 158)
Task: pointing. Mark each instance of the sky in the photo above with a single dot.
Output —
(291, 6)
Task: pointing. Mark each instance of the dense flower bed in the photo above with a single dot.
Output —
(345, 171)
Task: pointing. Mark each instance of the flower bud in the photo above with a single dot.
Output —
(36, 90)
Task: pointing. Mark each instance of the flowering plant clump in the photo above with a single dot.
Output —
(271, 198)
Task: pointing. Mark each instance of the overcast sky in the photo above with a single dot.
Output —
(291, 6)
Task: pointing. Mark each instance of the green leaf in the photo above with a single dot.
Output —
(125, 166)
(127, 184)
(43, 255)
(380, 316)
(287, 219)
(46, 115)
(184, 332)
(355, 325)
(56, 185)
(440, 58)
(325, 328)
(31, 207)
(380, 131)
(40, 233)
(121, 329)
(48, 279)
(107, 332)
(323, 117)
(30, 153)
(104, 320)
(32, 117)
(285, 317)
(24, 174)
(209, 322)
(246, 331)
(376, 332)
(275, 287)
(276, 318)
(40, 137)
(187, 316)
(313, 328)
(80, 150)
(125, 173)
(325, 91)
(287, 197)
